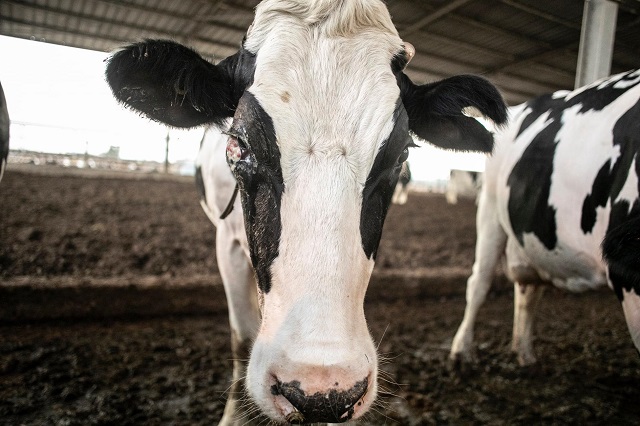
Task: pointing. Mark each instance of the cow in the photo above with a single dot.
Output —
(4, 132)
(401, 192)
(309, 123)
(463, 183)
(563, 178)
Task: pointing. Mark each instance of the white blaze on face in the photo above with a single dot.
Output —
(331, 100)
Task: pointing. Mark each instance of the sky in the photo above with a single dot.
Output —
(59, 102)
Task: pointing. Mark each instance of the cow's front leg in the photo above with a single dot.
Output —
(526, 298)
(244, 318)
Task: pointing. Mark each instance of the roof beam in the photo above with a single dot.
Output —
(569, 48)
(197, 25)
(137, 28)
(542, 14)
(508, 59)
(434, 16)
(102, 37)
(468, 46)
(63, 30)
(499, 31)
(475, 68)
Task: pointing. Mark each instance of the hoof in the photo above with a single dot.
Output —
(461, 363)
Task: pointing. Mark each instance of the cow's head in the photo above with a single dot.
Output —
(322, 114)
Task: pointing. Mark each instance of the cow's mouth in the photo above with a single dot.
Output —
(334, 406)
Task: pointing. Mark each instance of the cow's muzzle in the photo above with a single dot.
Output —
(334, 406)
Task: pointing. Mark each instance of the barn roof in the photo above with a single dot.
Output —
(526, 47)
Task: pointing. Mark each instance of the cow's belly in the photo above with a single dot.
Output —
(565, 267)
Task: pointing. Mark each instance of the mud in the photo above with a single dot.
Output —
(112, 312)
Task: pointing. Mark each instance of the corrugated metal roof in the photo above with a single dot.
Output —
(525, 47)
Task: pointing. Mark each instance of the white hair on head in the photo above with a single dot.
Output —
(340, 18)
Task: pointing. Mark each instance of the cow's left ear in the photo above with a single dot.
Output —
(172, 84)
(436, 115)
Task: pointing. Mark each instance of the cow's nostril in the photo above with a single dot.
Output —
(334, 406)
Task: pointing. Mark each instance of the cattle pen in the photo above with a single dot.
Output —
(112, 312)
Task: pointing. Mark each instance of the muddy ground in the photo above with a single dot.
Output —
(75, 355)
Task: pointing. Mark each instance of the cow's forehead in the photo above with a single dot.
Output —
(326, 94)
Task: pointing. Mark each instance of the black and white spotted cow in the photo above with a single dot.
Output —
(311, 120)
(4, 132)
(463, 183)
(563, 177)
(401, 192)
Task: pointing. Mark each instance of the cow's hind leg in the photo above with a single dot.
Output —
(241, 291)
(621, 248)
(526, 298)
(490, 246)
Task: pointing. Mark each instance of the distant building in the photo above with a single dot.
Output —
(113, 153)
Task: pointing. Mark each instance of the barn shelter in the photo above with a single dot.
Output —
(525, 47)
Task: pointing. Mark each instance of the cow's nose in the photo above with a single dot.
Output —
(334, 406)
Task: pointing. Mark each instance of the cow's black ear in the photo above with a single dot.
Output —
(436, 115)
(172, 84)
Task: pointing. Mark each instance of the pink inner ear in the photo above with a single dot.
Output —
(409, 51)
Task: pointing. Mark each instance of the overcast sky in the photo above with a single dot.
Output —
(59, 102)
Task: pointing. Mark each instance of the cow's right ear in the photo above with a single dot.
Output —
(437, 111)
(172, 84)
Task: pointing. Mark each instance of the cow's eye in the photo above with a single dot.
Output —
(236, 151)
(403, 156)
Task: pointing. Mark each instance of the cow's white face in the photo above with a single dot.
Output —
(321, 114)
(314, 204)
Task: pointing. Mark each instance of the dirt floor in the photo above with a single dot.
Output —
(62, 236)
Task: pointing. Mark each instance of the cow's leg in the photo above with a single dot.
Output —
(244, 318)
(490, 246)
(631, 309)
(399, 194)
(526, 298)
(403, 195)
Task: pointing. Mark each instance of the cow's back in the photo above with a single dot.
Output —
(563, 173)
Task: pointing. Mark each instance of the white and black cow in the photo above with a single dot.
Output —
(401, 192)
(315, 113)
(4, 132)
(463, 183)
(564, 176)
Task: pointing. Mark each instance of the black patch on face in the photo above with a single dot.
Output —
(382, 180)
(259, 176)
(530, 179)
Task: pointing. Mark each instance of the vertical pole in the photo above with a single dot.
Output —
(596, 41)
(166, 154)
